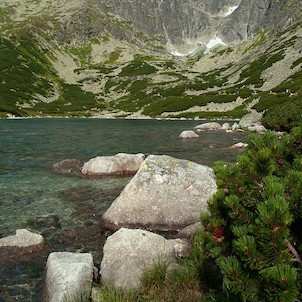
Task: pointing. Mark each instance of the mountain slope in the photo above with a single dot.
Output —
(187, 59)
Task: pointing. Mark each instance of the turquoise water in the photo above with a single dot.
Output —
(66, 209)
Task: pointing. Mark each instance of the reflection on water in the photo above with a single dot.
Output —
(66, 210)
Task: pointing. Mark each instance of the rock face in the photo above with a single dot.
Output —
(252, 16)
(119, 164)
(128, 252)
(165, 194)
(188, 134)
(68, 277)
(22, 246)
(68, 166)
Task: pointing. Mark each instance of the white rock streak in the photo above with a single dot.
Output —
(230, 10)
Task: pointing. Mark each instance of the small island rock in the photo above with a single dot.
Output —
(188, 134)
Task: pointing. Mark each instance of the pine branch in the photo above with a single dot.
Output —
(294, 252)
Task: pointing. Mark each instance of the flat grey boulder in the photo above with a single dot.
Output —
(22, 246)
(68, 277)
(208, 126)
(119, 164)
(127, 253)
(188, 134)
(166, 194)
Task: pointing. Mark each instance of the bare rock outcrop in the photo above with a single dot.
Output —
(166, 194)
(251, 119)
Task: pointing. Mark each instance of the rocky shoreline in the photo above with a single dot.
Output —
(165, 195)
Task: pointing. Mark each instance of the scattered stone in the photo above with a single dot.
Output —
(127, 253)
(68, 277)
(119, 164)
(257, 128)
(188, 134)
(225, 126)
(239, 145)
(69, 167)
(23, 246)
(166, 194)
(208, 126)
(235, 127)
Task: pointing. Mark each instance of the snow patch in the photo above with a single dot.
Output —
(230, 10)
(180, 54)
(200, 47)
(215, 42)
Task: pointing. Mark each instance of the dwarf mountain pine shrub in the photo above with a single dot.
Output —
(253, 231)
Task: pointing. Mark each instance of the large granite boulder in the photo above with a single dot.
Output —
(208, 126)
(166, 194)
(119, 164)
(68, 277)
(23, 246)
(127, 253)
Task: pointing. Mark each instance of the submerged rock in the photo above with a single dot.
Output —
(166, 194)
(68, 277)
(68, 166)
(119, 164)
(21, 247)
